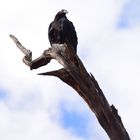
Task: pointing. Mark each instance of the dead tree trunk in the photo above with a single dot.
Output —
(75, 75)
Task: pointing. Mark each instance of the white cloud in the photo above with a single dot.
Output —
(30, 125)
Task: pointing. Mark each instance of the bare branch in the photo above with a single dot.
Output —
(28, 54)
(19, 45)
(75, 75)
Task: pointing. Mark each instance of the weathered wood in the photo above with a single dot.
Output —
(75, 75)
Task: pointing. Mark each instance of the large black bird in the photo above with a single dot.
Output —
(61, 31)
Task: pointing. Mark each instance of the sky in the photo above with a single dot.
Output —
(34, 107)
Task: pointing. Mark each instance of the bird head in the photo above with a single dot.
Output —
(63, 11)
(60, 14)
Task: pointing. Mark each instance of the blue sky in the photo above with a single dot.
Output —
(74, 121)
(3, 94)
(34, 107)
(130, 15)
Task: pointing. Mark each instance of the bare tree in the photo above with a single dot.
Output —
(75, 75)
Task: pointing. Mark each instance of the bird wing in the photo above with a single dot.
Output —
(70, 33)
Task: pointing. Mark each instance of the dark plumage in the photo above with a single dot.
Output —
(61, 31)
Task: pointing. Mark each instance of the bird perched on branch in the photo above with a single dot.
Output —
(61, 31)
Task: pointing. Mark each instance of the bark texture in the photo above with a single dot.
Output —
(75, 75)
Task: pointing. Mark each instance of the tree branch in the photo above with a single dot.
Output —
(75, 75)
